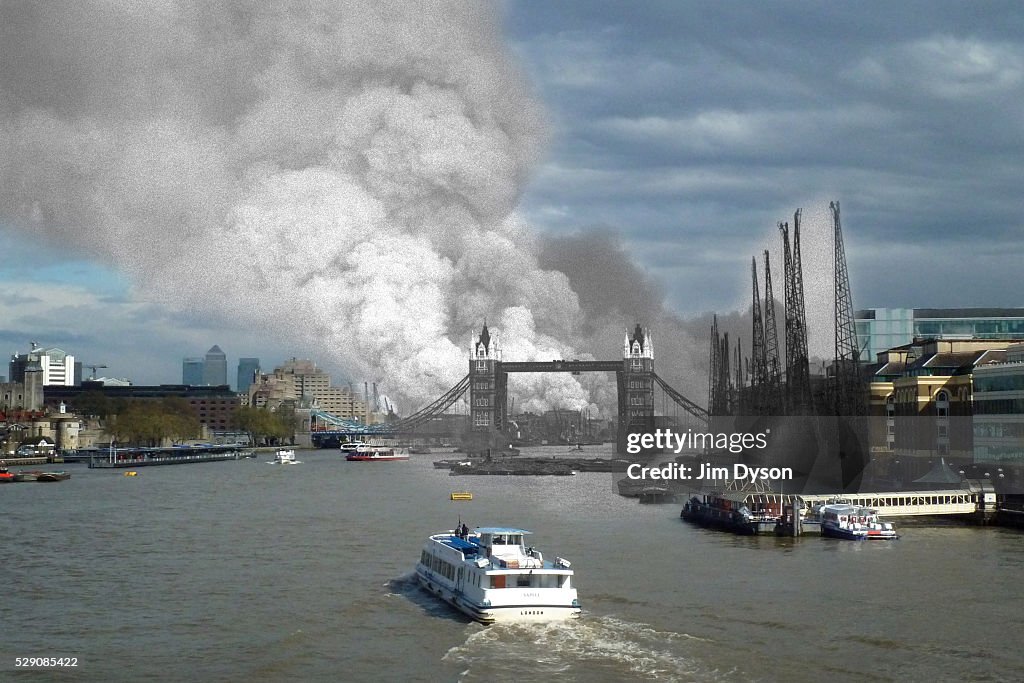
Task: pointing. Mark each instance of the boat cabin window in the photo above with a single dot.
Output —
(503, 539)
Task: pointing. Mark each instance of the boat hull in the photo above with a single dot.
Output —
(378, 458)
(501, 613)
(845, 534)
(709, 516)
(53, 476)
(881, 535)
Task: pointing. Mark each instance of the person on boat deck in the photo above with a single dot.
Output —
(464, 532)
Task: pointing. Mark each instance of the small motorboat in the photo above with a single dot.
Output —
(855, 523)
(6, 477)
(285, 456)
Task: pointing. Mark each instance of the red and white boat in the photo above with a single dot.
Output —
(375, 453)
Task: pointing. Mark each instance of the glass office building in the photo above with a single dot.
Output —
(247, 369)
(999, 409)
(192, 372)
(215, 367)
(880, 329)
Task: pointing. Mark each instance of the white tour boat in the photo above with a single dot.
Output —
(285, 456)
(351, 446)
(854, 523)
(492, 576)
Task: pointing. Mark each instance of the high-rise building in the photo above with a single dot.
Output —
(192, 372)
(299, 380)
(247, 369)
(215, 367)
(58, 367)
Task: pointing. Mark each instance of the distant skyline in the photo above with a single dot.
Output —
(685, 130)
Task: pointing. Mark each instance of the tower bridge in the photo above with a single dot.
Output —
(487, 385)
(634, 374)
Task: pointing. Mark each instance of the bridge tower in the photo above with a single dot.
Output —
(636, 386)
(487, 391)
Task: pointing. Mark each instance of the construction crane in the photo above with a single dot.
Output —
(94, 368)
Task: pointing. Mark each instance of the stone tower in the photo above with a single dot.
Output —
(487, 391)
(636, 394)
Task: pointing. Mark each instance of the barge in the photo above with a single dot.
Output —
(749, 513)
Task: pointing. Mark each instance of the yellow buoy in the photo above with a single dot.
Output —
(462, 495)
(131, 473)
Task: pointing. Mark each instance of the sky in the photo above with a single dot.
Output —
(609, 161)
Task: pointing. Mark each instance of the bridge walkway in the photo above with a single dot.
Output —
(915, 503)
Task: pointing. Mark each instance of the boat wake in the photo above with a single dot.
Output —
(593, 648)
(407, 587)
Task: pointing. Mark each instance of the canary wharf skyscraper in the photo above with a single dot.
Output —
(215, 368)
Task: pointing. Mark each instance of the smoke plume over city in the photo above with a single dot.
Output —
(343, 177)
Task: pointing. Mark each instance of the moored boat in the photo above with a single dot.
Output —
(854, 523)
(491, 576)
(377, 453)
(27, 475)
(6, 476)
(741, 512)
(53, 476)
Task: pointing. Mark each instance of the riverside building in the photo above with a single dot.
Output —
(214, 407)
(999, 409)
(924, 399)
(300, 381)
(881, 329)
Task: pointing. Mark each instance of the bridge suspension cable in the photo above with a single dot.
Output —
(683, 402)
(411, 422)
(436, 408)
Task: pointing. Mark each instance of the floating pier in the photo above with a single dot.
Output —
(130, 458)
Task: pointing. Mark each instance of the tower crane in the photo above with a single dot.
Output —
(94, 368)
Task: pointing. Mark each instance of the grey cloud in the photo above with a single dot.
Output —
(705, 124)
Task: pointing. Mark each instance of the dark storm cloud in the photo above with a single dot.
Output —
(693, 128)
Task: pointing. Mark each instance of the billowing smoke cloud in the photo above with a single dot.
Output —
(615, 293)
(343, 176)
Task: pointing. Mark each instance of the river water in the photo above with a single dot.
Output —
(247, 571)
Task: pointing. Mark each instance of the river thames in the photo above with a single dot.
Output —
(248, 571)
